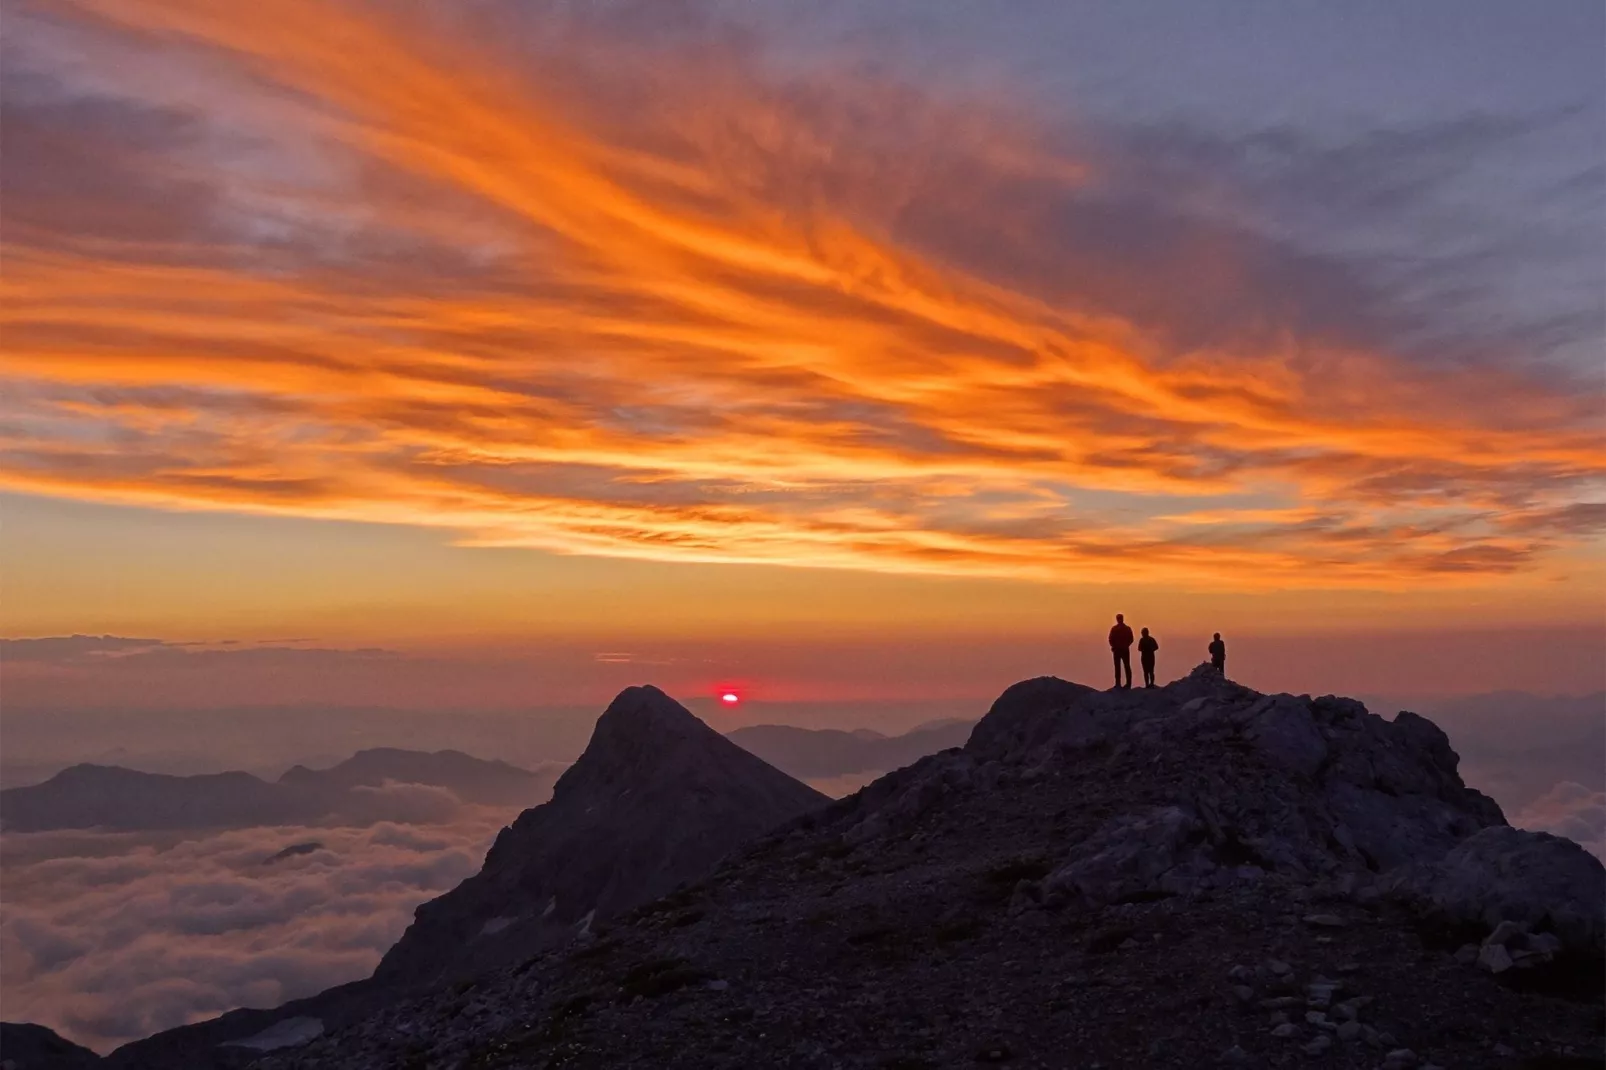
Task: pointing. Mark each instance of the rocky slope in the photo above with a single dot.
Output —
(1195, 875)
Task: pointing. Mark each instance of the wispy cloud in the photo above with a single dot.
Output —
(601, 296)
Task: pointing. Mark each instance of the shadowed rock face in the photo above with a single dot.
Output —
(1194, 875)
(656, 799)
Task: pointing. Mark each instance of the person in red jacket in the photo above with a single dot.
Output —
(1121, 647)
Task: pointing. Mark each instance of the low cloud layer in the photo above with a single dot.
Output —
(110, 937)
(1569, 809)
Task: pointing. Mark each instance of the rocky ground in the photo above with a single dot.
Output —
(1197, 875)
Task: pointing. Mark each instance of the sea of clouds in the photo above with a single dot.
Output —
(107, 937)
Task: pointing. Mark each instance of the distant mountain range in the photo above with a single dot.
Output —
(820, 753)
(111, 797)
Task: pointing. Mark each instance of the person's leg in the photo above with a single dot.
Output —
(1116, 654)
(1126, 660)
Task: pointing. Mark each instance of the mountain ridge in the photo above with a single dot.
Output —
(828, 752)
(88, 795)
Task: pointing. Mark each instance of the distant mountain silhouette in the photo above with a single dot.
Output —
(828, 752)
(25, 1046)
(1193, 875)
(111, 797)
(474, 780)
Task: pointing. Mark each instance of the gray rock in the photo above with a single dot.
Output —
(1154, 851)
(1494, 958)
(1285, 732)
(1287, 1029)
(1506, 933)
(1532, 879)
(1318, 1045)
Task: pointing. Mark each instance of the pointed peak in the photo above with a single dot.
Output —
(646, 704)
(639, 726)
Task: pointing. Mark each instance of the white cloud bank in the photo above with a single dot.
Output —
(1569, 809)
(106, 937)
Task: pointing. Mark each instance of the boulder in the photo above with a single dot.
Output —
(1501, 874)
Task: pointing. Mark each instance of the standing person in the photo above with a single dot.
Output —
(1218, 654)
(1146, 648)
(1121, 647)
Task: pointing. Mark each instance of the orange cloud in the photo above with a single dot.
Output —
(685, 315)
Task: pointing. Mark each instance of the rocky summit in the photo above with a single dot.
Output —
(1196, 875)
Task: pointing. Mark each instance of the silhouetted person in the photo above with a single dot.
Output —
(1146, 648)
(1218, 654)
(1121, 647)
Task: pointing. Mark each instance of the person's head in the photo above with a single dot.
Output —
(1218, 635)
(1145, 631)
(1120, 619)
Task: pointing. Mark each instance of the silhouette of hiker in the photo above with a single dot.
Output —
(1121, 647)
(1146, 648)
(1218, 654)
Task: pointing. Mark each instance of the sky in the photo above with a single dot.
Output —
(500, 355)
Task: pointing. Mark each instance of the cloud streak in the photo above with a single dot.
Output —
(597, 296)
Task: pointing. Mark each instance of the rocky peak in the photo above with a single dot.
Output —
(656, 799)
(643, 733)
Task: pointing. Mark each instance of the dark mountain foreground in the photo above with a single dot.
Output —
(828, 752)
(111, 797)
(1197, 875)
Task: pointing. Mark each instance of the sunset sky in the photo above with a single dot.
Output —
(503, 354)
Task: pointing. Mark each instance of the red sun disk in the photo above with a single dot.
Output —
(729, 698)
